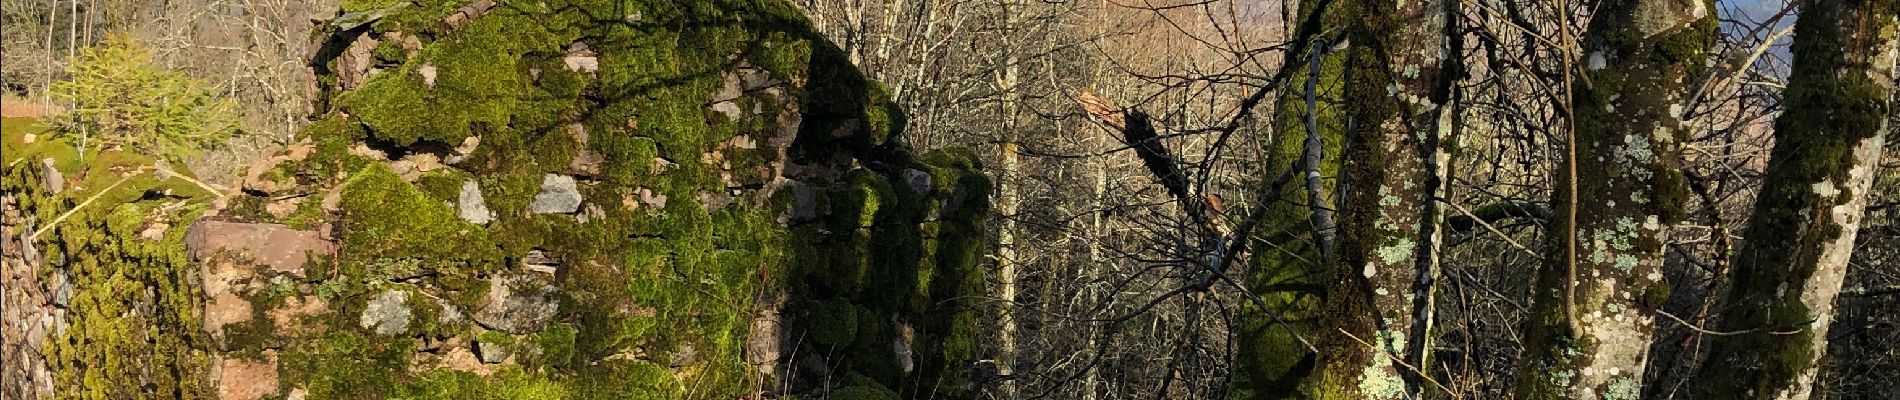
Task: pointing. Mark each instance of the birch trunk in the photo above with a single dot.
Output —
(1795, 249)
(1008, 201)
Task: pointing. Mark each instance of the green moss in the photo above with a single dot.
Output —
(347, 365)
(130, 295)
(479, 81)
(333, 136)
(630, 380)
(556, 344)
(390, 52)
(863, 393)
(386, 217)
(882, 116)
(511, 383)
(782, 54)
(351, 6)
(834, 324)
(13, 132)
(443, 184)
(1273, 359)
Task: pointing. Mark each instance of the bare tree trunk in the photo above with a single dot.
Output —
(1590, 325)
(72, 56)
(1092, 271)
(1008, 201)
(1388, 219)
(1794, 252)
(46, 94)
(72, 30)
(90, 25)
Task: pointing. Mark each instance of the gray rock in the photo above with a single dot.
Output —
(517, 304)
(902, 343)
(593, 212)
(55, 181)
(428, 75)
(62, 289)
(952, 202)
(30, 253)
(651, 199)
(492, 353)
(757, 78)
(730, 109)
(473, 207)
(919, 181)
(240, 379)
(387, 314)
(764, 339)
(559, 195)
(451, 314)
(714, 201)
(684, 355)
(541, 261)
(586, 163)
(358, 61)
(804, 201)
(732, 88)
(461, 152)
(579, 58)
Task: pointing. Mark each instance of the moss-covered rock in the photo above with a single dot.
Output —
(114, 276)
(730, 165)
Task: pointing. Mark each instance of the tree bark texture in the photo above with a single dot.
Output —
(1794, 252)
(1588, 333)
(1375, 333)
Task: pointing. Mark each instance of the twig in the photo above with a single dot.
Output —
(1401, 362)
(82, 204)
(1866, 291)
(201, 185)
(1493, 229)
(1323, 233)
(1693, 327)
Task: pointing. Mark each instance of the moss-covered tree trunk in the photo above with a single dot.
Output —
(1794, 252)
(1589, 331)
(1275, 335)
(1379, 300)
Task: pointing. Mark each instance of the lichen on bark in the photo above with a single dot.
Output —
(1373, 330)
(1794, 253)
(1588, 333)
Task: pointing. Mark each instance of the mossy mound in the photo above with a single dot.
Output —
(729, 167)
(102, 295)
